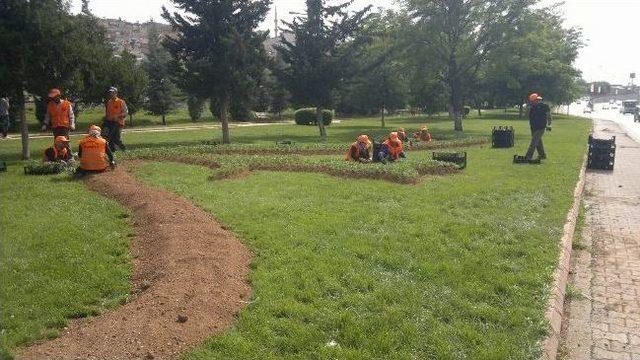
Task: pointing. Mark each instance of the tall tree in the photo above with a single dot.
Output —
(218, 51)
(461, 34)
(316, 48)
(379, 82)
(36, 54)
(130, 77)
(537, 56)
(161, 89)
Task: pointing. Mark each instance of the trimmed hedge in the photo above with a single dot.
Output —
(307, 116)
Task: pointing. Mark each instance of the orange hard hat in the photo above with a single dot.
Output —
(535, 97)
(363, 139)
(60, 139)
(54, 93)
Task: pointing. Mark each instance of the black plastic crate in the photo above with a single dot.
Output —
(503, 137)
(459, 158)
(602, 153)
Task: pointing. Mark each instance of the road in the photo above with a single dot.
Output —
(625, 122)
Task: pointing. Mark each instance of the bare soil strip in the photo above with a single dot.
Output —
(190, 280)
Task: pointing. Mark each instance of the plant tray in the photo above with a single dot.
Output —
(517, 159)
(459, 158)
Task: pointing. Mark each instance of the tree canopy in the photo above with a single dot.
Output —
(218, 51)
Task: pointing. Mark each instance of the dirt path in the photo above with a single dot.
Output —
(190, 276)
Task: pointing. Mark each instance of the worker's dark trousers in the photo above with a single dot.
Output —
(60, 131)
(112, 132)
(536, 144)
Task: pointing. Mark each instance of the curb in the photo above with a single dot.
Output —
(555, 306)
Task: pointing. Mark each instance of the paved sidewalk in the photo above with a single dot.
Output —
(604, 323)
(169, 128)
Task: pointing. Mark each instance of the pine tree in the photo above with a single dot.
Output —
(161, 89)
(318, 55)
(218, 53)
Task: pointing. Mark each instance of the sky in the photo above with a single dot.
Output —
(610, 28)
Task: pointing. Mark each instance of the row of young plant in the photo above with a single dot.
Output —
(233, 166)
(316, 148)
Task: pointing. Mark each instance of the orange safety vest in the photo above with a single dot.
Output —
(59, 113)
(94, 154)
(394, 150)
(57, 155)
(114, 109)
(356, 145)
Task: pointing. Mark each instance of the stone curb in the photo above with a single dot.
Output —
(555, 305)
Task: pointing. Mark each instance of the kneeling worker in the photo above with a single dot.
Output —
(423, 134)
(361, 150)
(93, 152)
(391, 149)
(59, 152)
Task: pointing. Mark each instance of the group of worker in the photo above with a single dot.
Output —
(391, 149)
(95, 152)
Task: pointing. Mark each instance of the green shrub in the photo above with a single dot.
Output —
(307, 116)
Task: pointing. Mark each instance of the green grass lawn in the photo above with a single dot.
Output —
(453, 267)
(64, 254)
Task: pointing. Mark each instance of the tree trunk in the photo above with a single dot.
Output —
(24, 127)
(164, 120)
(384, 124)
(323, 131)
(130, 119)
(224, 119)
(455, 101)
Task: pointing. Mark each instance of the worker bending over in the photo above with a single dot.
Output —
(59, 152)
(361, 150)
(59, 116)
(391, 149)
(423, 134)
(94, 152)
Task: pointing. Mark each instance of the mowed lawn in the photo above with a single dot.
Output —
(454, 267)
(64, 253)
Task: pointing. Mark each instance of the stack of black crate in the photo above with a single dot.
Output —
(503, 137)
(602, 153)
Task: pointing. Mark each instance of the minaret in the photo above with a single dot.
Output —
(275, 22)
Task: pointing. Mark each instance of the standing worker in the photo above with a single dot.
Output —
(4, 116)
(540, 120)
(59, 116)
(94, 152)
(116, 112)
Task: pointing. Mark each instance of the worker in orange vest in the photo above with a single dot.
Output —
(59, 116)
(391, 149)
(59, 152)
(95, 156)
(361, 150)
(423, 134)
(116, 113)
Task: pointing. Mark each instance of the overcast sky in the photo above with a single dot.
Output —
(610, 28)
